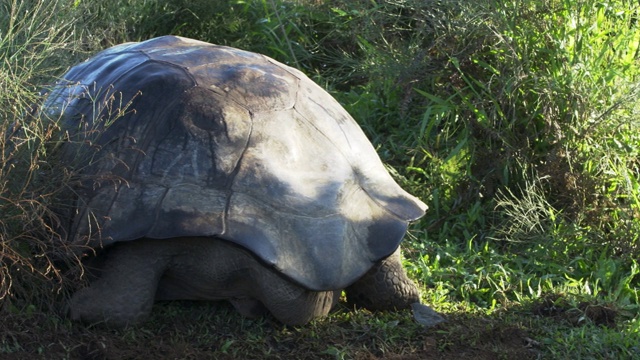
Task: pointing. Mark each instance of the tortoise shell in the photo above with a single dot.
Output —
(174, 137)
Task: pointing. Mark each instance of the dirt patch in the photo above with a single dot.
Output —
(204, 331)
(554, 305)
(478, 339)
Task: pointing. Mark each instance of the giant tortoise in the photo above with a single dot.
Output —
(210, 173)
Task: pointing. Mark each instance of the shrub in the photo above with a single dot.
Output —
(36, 42)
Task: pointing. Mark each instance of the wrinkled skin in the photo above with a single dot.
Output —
(135, 274)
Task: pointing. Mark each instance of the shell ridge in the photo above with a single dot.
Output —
(158, 208)
(148, 140)
(220, 92)
(229, 185)
(342, 130)
(130, 69)
(310, 123)
(184, 69)
(75, 226)
(378, 202)
(109, 208)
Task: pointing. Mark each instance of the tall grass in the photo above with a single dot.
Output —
(532, 140)
(36, 42)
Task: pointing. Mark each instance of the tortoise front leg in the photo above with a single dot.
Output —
(385, 287)
(290, 303)
(124, 293)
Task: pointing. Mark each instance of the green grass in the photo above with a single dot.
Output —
(515, 121)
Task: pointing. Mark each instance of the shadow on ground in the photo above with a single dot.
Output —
(192, 330)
